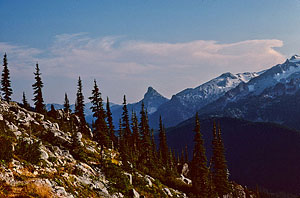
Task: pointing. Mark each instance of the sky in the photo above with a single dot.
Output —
(129, 45)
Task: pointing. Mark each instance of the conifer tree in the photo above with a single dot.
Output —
(154, 152)
(199, 170)
(126, 136)
(37, 87)
(146, 155)
(120, 131)
(171, 160)
(101, 130)
(79, 109)
(111, 127)
(25, 103)
(163, 147)
(182, 161)
(135, 134)
(125, 122)
(52, 112)
(219, 167)
(186, 154)
(5, 81)
(79, 103)
(66, 104)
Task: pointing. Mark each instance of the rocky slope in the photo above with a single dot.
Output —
(42, 156)
(44, 162)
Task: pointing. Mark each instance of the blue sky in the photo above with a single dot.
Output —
(129, 45)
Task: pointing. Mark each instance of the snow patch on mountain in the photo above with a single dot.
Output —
(213, 89)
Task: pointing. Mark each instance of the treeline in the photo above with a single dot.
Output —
(135, 140)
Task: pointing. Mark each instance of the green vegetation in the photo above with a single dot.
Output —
(5, 81)
(6, 151)
(38, 95)
(29, 151)
(118, 181)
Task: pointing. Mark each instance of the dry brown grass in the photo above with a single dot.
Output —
(40, 190)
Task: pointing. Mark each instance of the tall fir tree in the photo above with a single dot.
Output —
(135, 135)
(163, 147)
(125, 122)
(37, 87)
(25, 102)
(120, 131)
(186, 154)
(79, 103)
(101, 130)
(199, 170)
(66, 104)
(79, 109)
(153, 147)
(146, 155)
(111, 127)
(125, 149)
(5, 81)
(182, 161)
(219, 166)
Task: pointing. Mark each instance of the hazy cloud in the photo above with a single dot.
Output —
(123, 66)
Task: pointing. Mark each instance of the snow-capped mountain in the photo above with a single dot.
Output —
(272, 96)
(184, 104)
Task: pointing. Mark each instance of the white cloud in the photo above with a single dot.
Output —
(130, 66)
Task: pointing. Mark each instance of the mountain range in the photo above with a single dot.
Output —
(271, 95)
(259, 115)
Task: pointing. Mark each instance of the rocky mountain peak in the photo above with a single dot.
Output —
(227, 75)
(295, 58)
(151, 92)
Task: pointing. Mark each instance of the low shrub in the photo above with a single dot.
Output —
(118, 181)
(6, 149)
(80, 154)
(30, 152)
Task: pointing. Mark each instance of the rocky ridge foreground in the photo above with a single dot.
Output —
(44, 162)
(58, 173)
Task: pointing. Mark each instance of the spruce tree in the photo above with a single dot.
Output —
(25, 103)
(52, 112)
(219, 167)
(186, 154)
(154, 152)
(111, 127)
(135, 134)
(101, 130)
(79, 109)
(199, 170)
(126, 152)
(182, 161)
(66, 104)
(163, 147)
(120, 131)
(37, 87)
(79, 103)
(146, 155)
(5, 81)
(125, 122)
